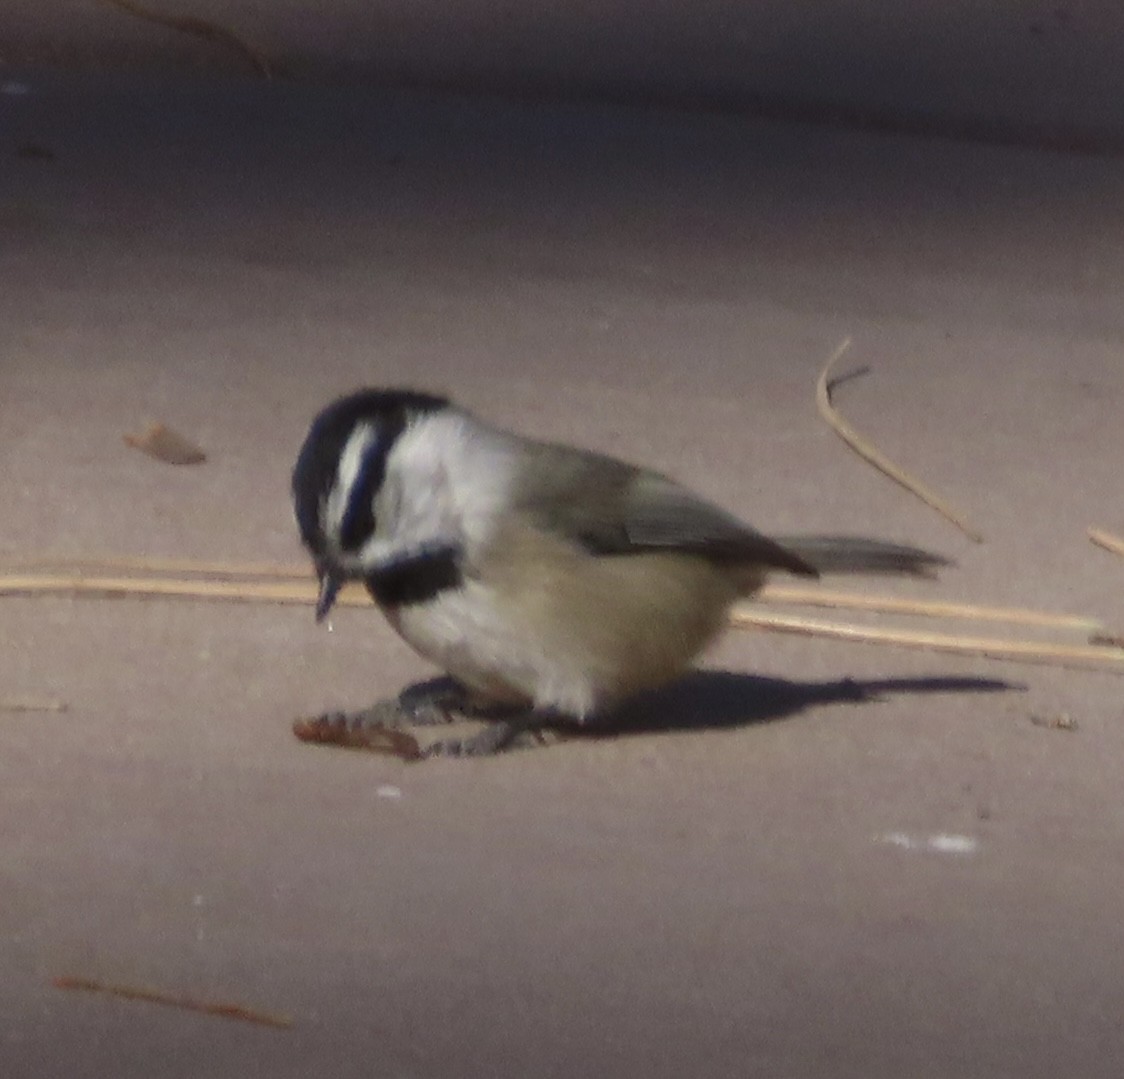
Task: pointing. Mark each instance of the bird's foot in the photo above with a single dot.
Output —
(500, 736)
(441, 700)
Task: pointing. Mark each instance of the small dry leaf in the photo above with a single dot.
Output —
(1059, 721)
(166, 445)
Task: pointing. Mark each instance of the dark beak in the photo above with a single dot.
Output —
(330, 586)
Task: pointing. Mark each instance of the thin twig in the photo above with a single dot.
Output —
(202, 28)
(1106, 540)
(855, 601)
(868, 452)
(1042, 652)
(157, 996)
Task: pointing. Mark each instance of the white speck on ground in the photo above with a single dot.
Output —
(940, 842)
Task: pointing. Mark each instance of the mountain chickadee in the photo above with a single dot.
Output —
(547, 581)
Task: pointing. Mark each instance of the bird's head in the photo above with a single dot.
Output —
(338, 476)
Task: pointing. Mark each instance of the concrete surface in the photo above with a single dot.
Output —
(757, 884)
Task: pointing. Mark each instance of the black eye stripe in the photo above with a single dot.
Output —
(358, 523)
(359, 516)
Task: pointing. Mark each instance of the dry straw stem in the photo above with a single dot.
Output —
(284, 584)
(157, 996)
(1106, 540)
(201, 28)
(1084, 657)
(856, 601)
(302, 592)
(869, 452)
(90, 571)
(142, 564)
(290, 585)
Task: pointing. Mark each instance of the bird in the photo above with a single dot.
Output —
(548, 582)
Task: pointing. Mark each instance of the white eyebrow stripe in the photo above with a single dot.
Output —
(355, 451)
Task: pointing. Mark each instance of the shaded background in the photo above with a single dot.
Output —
(1028, 68)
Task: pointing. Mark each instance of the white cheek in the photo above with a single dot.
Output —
(445, 483)
(408, 520)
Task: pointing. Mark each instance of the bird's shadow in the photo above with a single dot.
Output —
(717, 700)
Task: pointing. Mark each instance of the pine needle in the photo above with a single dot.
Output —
(1040, 652)
(858, 601)
(157, 996)
(201, 28)
(865, 449)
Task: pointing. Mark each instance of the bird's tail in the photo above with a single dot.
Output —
(855, 554)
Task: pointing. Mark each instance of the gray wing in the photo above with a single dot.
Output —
(612, 508)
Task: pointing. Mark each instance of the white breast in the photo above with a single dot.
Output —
(474, 638)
